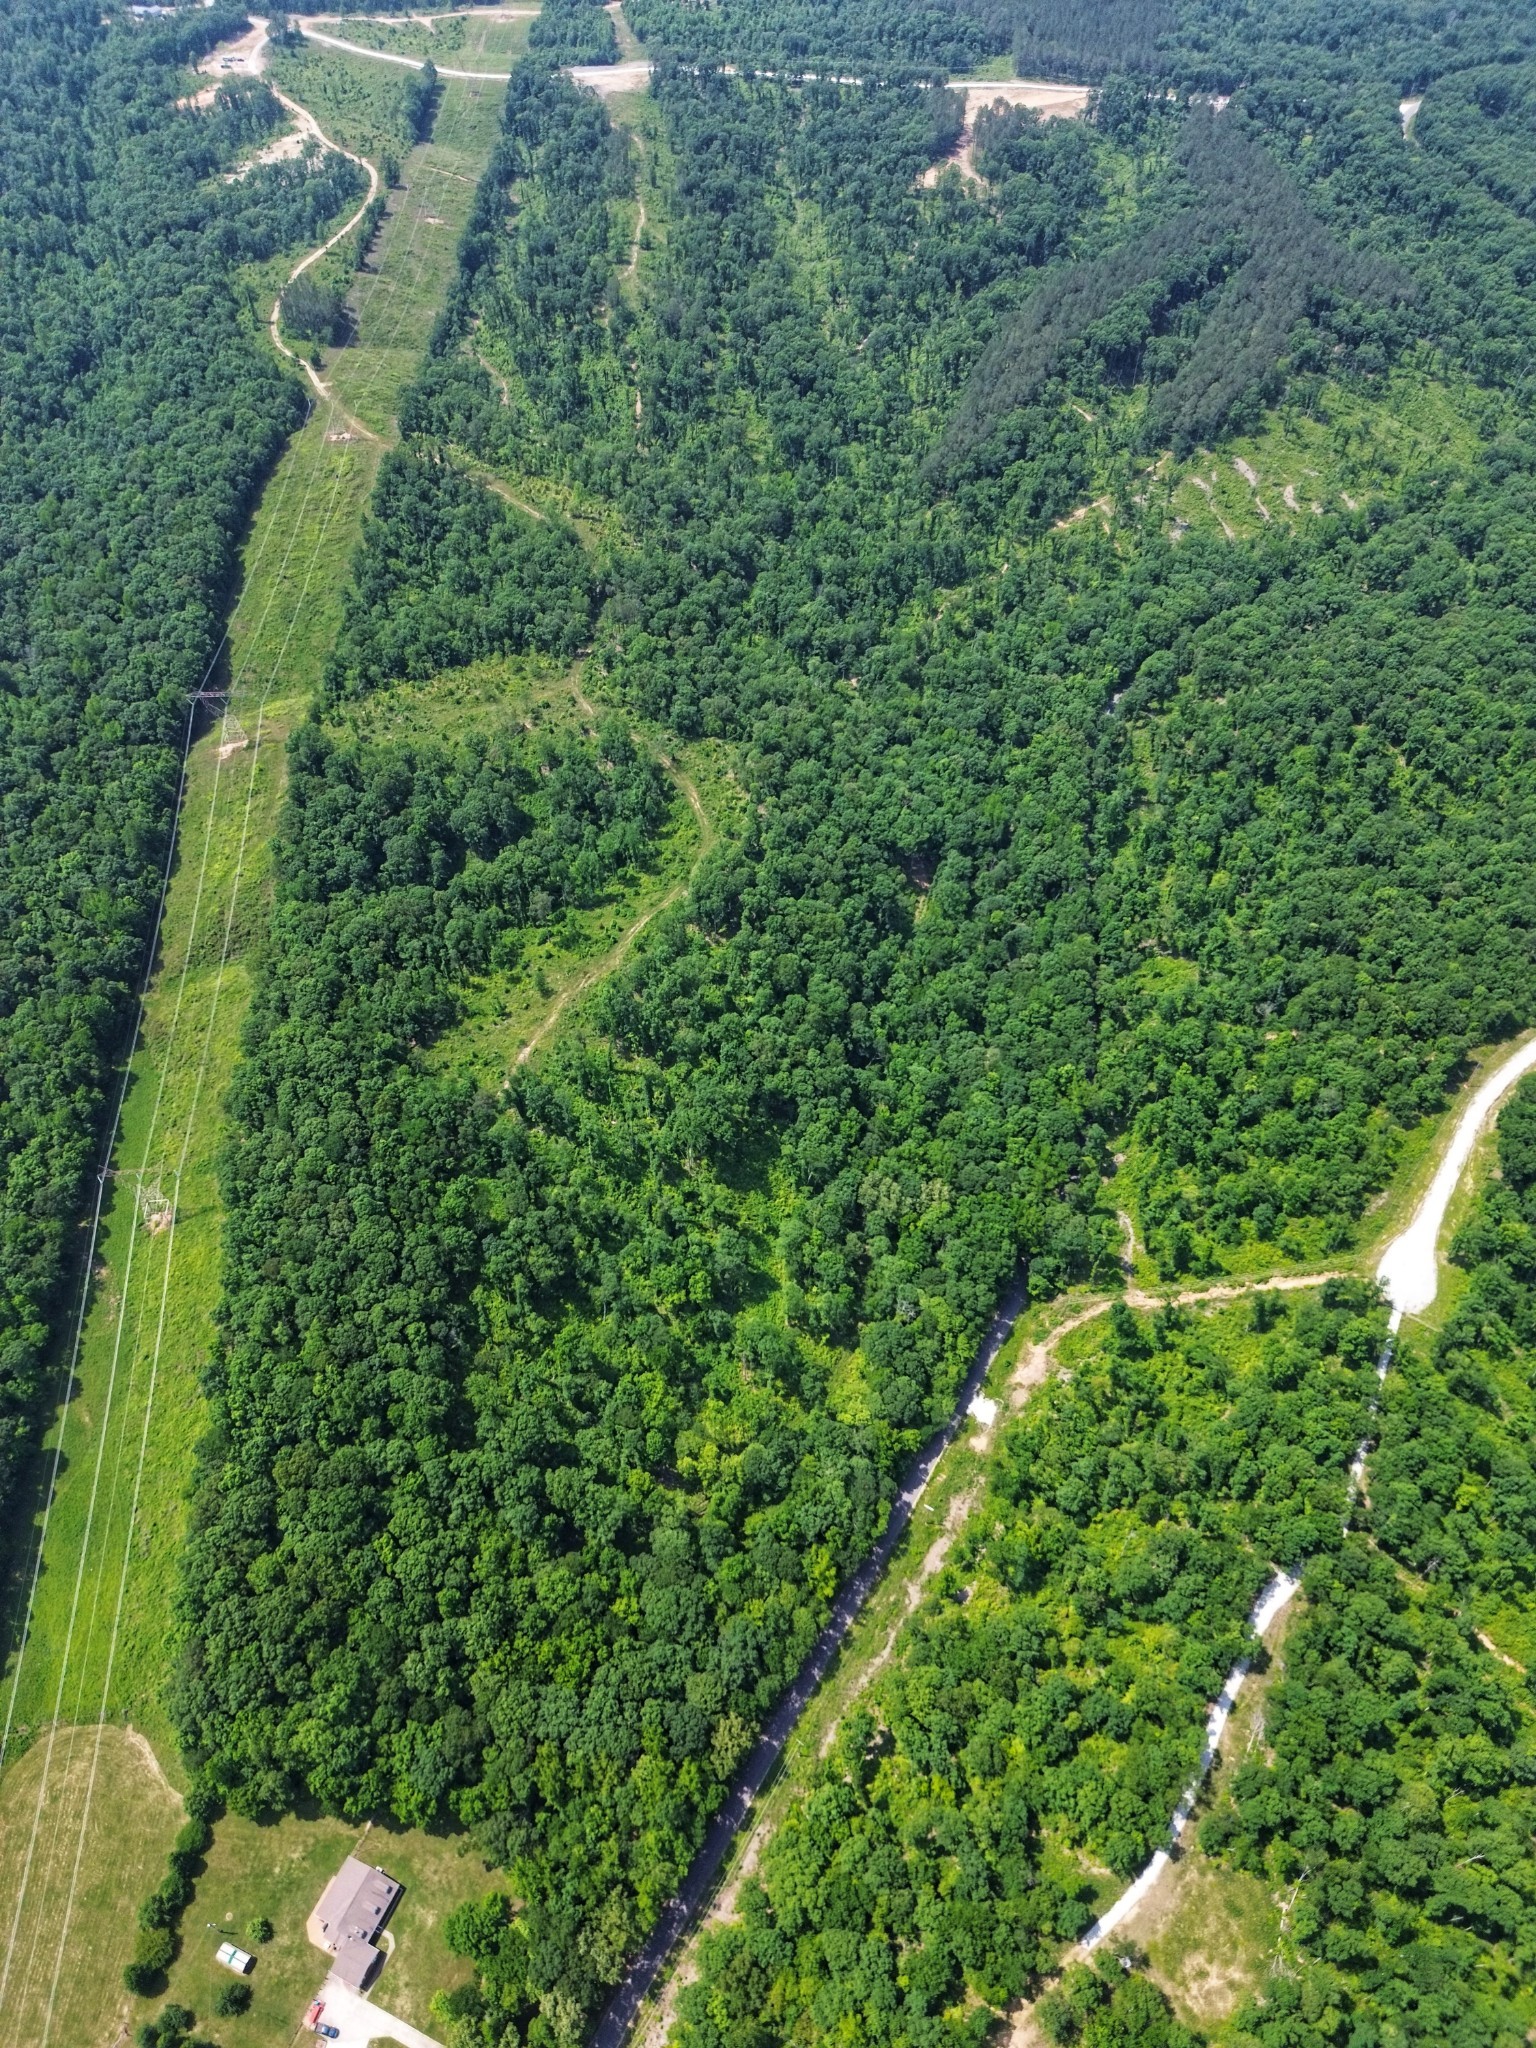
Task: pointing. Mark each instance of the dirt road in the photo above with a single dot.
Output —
(309, 126)
(1030, 1373)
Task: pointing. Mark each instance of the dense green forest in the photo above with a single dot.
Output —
(1200, 45)
(138, 416)
(1399, 1802)
(1070, 853)
(1050, 1701)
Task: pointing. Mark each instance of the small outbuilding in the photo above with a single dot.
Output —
(352, 1909)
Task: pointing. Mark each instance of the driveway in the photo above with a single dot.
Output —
(361, 2021)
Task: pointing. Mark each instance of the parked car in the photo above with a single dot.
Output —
(236, 1959)
(328, 2033)
(312, 2017)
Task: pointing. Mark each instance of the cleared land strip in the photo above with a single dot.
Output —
(92, 1625)
(317, 35)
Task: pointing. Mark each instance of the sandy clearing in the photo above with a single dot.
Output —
(1051, 102)
(280, 151)
(1406, 109)
(608, 79)
(245, 57)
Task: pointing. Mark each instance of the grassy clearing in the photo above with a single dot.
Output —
(1331, 457)
(133, 1815)
(631, 49)
(1328, 454)
(464, 40)
(277, 1873)
(358, 103)
(102, 1629)
(414, 257)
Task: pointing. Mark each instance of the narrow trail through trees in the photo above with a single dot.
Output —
(310, 126)
(600, 970)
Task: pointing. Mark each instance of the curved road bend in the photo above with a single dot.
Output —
(693, 1893)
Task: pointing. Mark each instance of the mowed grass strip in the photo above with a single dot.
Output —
(415, 254)
(133, 1814)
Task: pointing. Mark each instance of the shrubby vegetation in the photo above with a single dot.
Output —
(138, 416)
(379, 110)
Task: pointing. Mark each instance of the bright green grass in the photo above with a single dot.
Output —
(993, 67)
(463, 40)
(414, 256)
(133, 1817)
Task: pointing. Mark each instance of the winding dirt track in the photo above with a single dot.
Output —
(310, 126)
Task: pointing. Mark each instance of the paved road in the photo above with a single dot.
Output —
(613, 2028)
